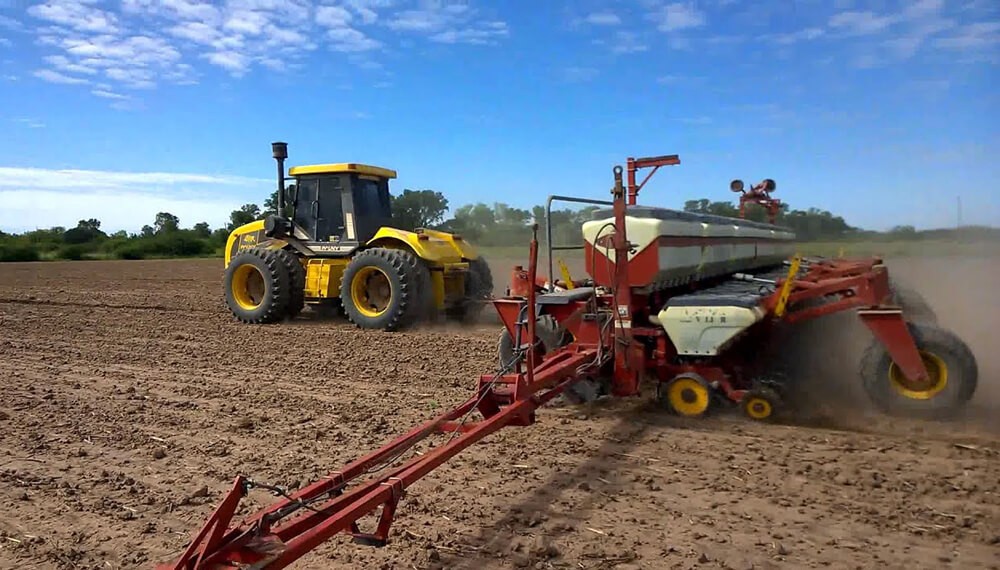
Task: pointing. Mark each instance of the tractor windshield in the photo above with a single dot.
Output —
(371, 198)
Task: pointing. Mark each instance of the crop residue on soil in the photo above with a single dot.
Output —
(132, 399)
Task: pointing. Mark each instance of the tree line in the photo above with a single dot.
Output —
(496, 224)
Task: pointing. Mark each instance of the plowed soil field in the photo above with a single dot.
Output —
(130, 399)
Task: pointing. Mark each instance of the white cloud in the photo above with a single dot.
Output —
(140, 44)
(351, 40)
(62, 63)
(10, 24)
(197, 32)
(333, 16)
(922, 8)
(449, 22)
(105, 94)
(233, 61)
(128, 210)
(484, 34)
(973, 37)
(79, 15)
(860, 23)
(678, 16)
(603, 19)
(246, 22)
(28, 122)
(38, 197)
(627, 42)
(801, 35)
(56, 77)
(678, 79)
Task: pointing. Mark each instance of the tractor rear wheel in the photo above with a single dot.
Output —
(297, 275)
(257, 286)
(951, 366)
(478, 289)
(380, 289)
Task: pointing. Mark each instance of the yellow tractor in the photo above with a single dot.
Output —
(331, 244)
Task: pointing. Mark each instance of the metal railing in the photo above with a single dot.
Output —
(548, 229)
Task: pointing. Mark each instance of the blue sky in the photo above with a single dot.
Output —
(882, 111)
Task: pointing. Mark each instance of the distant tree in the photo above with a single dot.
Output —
(418, 209)
(220, 236)
(166, 223)
(91, 224)
(202, 230)
(904, 232)
(147, 231)
(86, 231)
(120, 234)
(246, 214)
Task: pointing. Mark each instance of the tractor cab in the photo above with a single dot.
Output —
(343, 204)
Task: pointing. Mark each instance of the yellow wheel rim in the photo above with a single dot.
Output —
(248, 287)
(937, 378)
(687, 396)
(371, 291)
(758, 408)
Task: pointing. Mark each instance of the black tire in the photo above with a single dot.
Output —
(269, 300)
(961, 375)
(915, 307)
(403, 305)
(297, 276)
(762, 404)
(424, 296)
(548, 331)
(478, 290)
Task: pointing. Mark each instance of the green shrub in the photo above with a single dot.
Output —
(130, 250)
(71, 252)
(15, 252)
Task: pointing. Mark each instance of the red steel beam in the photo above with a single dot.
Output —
(654, 162)
(256, 541)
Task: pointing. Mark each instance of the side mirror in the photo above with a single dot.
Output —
(769, 185)
(736, 185)
(291, 193)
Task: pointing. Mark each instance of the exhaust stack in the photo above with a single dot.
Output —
(280, 152)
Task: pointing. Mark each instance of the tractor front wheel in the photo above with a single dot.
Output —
(257, 286)
(952, 376)
(297, 276)
(380, 289)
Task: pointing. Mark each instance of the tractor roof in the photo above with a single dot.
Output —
(340, 168)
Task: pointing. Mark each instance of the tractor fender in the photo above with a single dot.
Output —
(249, 236)
(434, 250)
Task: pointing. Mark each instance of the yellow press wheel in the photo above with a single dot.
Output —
(936, 381)
(687, 395)
(760, 404)
(384, 289)
(257, 286)
(952, 375)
